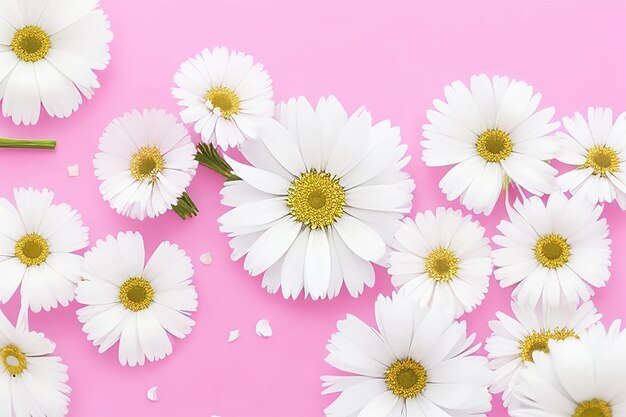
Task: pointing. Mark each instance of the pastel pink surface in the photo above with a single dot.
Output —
(393, 57)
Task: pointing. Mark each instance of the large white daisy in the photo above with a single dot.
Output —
(492, 134)
(48, 51)
(37, 241)
(442, 259)
(514, 339)
(555, 252)
(145, 163)
(225, 94)
(418, 363)
(597, 149)
(579, 378)
(321, 199)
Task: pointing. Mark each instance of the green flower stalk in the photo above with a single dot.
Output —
(28, 144)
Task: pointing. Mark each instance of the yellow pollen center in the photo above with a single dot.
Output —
(494, 145)
(316, 199)
(147, 163)
(136, 294)
(441, 264)
(224, 99)
(13, 360)
(552, 251)
(32, 249)
(30, 43)
(593, 408)
(538, 341)
(406, 378)
(602, 159)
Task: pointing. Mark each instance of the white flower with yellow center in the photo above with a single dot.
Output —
(134, 303)
(32, 381)
(514, 340)
(145, 163)
(492, 134)
(321, 200)
(37, 241)
(48, 52)
(225, 94)
(442, 260)
(554, 252)
(579, 377)
(418, 363)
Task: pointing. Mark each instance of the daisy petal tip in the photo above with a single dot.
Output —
(152, 394)
(264, 329)
(233, 335)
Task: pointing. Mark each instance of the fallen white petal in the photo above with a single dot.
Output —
(152, 394)
(263, 328)
(206, 258)
(233, 335)
(73, 170)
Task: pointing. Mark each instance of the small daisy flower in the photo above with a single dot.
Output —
(442, 260)
(48, 55)
(134, 303)
(555, 252)
(514, 339)
(224, 94)
(145, 163)
(419, 362)
(598, 150)
(579, 378)
(492, 134)
(37, 244)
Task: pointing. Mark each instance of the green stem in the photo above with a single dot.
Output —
(185, 207)
(209, 157)
(27, 144)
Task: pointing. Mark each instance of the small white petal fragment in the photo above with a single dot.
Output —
(206, 258)
(73, 170)
(233, 335)
(152, 393)
(263, 328)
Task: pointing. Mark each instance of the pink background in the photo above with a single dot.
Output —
(394, 57)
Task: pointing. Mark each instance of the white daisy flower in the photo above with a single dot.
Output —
(37, 241)
(322, 198)
(48, 52)
(492, 134)
(598, 150)
(32, 381)
(136, 303)
(419, 362)
(554, 252)
(514, 339)
(579, 378)
(145, 163)
(225, 94)
(442, 260)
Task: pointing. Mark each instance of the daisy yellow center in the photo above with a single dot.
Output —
(494, 145)
(224, 99)
(32, 249)
(147, 163)
(136, 294)
(538, 341)
(30, 43)
(406, 378)
(442, 264)
(602, 159)
(316, 199)
(593, 408)
(552, 251)
(13, 360)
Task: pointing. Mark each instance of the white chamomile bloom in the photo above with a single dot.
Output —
(598, 150)
(134, 303)
(37, 241)
(555, 252)
(492, 134)
(442, 260)
(579, 378)
(48, 51)
(145, 163)
(418, 363)
(320, 201)
(225, 94)
(32, 381)
(514, 339)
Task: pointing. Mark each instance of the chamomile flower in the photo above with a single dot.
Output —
(319, 201)
(597, 148)
(419, 362)
(225, 94)
(134, 303)
(37, 244)
(492, 134)
(48, 53)
(145, 163)
(554, 252)
(442, 260)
